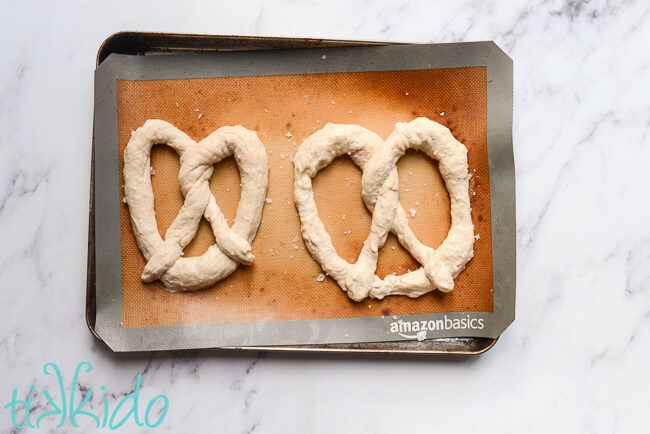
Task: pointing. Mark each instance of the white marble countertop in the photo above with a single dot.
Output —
(575, 360)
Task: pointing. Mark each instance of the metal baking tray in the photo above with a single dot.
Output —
(145, 43)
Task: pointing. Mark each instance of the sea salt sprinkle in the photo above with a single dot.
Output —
(320, 278)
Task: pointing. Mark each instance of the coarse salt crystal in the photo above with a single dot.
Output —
(477, 237)
(406, 93)
(412, 211)
(343, 217)
(333, 102)
(295, 239)
(288, 134)
(197, 109)
(324, 57)
(269, 200)
(200, 115)
(442, 113)
(417, 203)
(124, 199)
(151, 171)
(295, 247)
(320, 278)
(421, 335)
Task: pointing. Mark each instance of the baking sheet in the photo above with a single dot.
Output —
(153, 306)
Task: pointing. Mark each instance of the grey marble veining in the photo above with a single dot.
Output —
(575, 360)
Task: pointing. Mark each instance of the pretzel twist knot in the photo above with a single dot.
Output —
(380, 184)
(233, 244)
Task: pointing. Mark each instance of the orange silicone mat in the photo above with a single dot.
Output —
(281, 284)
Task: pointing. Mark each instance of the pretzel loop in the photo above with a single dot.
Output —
(316, 152)
(440, 266)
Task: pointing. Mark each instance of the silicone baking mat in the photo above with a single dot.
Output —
(281, 284)
(286, 95)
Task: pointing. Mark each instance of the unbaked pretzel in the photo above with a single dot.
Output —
(380, 184)
(233, 245)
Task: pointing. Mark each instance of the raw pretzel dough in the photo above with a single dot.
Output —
(380, 184)
(233, 245)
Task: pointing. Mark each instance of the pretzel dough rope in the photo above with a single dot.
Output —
(233, 245)
(380, 184)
